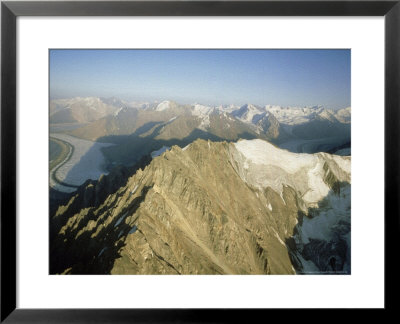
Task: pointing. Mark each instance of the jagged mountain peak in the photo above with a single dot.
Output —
(249, 113)
(211, 207)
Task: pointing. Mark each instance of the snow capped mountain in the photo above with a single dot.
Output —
(68, 110)
(166, 104)
(327, 115)
(261, 120)
(308, 129)
(88, 100)
(294, 115)
(249, 113)
(321, 240)
(227, 108)
(201, 110)
(271, 127)
(344, 115)
(141, 104)
(297, 116)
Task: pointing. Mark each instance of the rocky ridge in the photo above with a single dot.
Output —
(203, 210)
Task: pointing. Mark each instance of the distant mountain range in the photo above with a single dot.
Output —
(81, 110)
(140, 128)
(89, 109)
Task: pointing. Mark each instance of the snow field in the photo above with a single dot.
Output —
(265, 165)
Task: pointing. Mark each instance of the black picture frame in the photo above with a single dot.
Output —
(10, 10)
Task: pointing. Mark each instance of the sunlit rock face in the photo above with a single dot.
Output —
(213, 208)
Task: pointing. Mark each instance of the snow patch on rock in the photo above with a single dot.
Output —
(263, 165)
(163, 105)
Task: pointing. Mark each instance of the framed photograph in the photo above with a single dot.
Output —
(197, 160)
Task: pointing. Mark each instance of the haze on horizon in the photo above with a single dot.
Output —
(213, 77)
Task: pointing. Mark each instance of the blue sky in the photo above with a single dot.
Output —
(282, 77)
